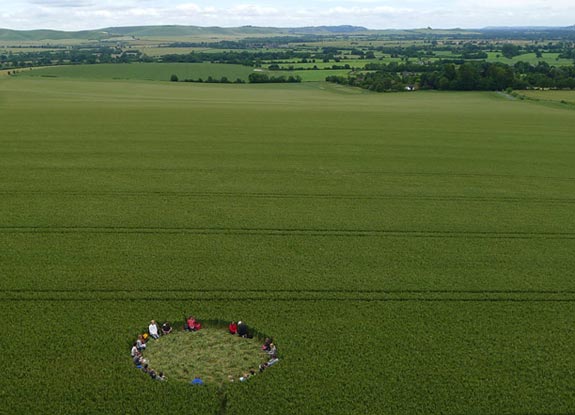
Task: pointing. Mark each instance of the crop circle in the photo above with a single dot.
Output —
(211, 354)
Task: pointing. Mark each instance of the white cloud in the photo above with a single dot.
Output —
(516, 4)
(248, 10)
(63, 3)
(377, 14)
(366, 11)
(189, 8)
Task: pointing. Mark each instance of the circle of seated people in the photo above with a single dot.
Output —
(258, 349)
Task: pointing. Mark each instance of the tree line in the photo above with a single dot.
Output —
(469, 76)
(253, 78)
(74, 56)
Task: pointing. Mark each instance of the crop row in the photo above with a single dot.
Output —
(168, 212)
(265, 180)
(291, 296)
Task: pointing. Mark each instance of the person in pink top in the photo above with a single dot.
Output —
(193, 324)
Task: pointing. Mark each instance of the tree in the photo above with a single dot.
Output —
(499, 77)
(174, 78)
(509, 50)
(450, 72)
(258, 78)
(467, 77)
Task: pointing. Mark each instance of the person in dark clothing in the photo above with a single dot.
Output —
(242, 329)
(166, 328)
(138, 361)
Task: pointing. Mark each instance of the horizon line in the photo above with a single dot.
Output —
(297, 27)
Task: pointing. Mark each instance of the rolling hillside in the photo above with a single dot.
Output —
(168, 31)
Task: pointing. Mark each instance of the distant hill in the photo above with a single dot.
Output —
(528, 28)
(178, 31)
(328, 29)
(35, 35)
(175, 31)
(168, 31)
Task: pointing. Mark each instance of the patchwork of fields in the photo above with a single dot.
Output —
(411, 253)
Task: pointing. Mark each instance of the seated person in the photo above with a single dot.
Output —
(166, 328)
(233, 327)
(138, 361)
(134, 352)
(273, 361)
(140, 343)
(242, 329)
(153, 330)
(266, 345)
(273, 351)
(193, 324)
(189, 323)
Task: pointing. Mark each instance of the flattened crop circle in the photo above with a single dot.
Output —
(211, 354)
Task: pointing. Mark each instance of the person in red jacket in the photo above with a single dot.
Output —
(193, 324)
(233, 327)
(190, 323)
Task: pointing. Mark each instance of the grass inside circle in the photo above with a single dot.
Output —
(211, 353)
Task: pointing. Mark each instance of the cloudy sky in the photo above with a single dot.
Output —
(374, 14)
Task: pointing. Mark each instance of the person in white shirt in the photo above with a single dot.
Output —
(153, 330)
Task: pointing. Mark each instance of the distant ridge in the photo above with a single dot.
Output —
(35, 35)
(528, 28)
(329, 29)
(176, 31)
(169, 31)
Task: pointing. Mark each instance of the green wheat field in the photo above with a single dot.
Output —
(409, 253)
